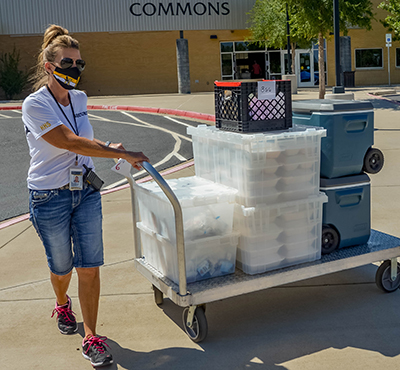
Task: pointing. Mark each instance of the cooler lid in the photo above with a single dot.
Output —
(344, 181)
(330, 105)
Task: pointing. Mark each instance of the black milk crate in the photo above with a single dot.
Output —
(237, 107)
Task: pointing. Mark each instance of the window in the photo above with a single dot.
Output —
(226, 47)
(226, 60)
(315, 45)
(369, 58)
(248, 46)
(275, 62)
(316, 67)
(398, 57)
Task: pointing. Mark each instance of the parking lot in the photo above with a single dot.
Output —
(162, 138)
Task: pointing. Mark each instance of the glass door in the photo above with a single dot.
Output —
(275, 65)
(243, 66)
(316, 66)
(227, 66)
(267, 72)
(305, 68)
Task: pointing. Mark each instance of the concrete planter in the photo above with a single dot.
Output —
(293, 80)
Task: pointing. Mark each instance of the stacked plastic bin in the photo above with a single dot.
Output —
(346, 153)
(278, 211)
(210, 244)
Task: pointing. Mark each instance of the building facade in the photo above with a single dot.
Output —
(130, 45)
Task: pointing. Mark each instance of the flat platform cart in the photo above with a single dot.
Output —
(194, 296)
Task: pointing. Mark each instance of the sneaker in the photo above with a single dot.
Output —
(65, 318)
(94, 349)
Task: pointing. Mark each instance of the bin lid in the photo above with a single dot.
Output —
(268, 141)
(192, 191)
(344, 181)
(330, 105)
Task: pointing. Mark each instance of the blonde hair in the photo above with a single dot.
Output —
(55, 38)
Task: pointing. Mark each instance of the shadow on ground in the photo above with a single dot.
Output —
(282, 324)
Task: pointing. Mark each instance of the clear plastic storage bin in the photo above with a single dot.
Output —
(268, 168)
(280, 235)
(207, 208)
(205, 258)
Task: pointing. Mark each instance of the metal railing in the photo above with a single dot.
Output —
(180, 242)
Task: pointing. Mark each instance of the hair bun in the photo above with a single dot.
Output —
(51, 33)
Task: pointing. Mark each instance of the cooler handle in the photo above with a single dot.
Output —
(356, 125)
(349, 198)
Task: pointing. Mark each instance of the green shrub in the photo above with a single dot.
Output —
(12, 80)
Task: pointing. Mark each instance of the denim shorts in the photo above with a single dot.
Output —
(69, 223)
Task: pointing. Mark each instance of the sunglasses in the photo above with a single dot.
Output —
(68, 63)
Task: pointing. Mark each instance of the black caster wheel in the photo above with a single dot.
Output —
(383, 277)
(330, 239)
(373, 161)
(198, 331)
(158, 296)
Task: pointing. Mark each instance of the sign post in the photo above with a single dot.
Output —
(389, 45)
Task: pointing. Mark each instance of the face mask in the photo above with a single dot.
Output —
(68, 78)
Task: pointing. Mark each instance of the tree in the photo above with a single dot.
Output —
(392, 21)
(12, 80)
(313, 19)
(268, 26)
(316, 16)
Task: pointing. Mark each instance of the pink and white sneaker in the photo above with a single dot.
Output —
(66, 318)
(94, 349)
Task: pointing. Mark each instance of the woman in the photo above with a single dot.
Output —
(64, 208)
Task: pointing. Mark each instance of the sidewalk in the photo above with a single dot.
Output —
(338, 321)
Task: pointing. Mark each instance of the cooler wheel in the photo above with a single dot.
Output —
(330, 239)
(383, 277)
(373, 161)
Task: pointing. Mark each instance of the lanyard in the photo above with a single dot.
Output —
(74, 128)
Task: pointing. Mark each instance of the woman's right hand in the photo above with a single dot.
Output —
(134, 158)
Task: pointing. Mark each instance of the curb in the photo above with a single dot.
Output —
(132, 108)
(384, 98)
(10, 107)
(172, 112)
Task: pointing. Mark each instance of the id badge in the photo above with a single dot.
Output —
(75, 178)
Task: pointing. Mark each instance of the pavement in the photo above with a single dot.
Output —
(336, 321)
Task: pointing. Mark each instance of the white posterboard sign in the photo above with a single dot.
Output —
(122, 167)
(266, 90)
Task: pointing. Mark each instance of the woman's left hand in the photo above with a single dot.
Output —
(117, 146)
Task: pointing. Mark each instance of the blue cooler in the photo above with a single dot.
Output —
(346, 216)
(346, 150)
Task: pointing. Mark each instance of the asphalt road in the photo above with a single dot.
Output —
(162, 138)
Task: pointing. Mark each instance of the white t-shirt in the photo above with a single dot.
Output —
(49, 166)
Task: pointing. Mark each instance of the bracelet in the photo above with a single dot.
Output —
(108, 143)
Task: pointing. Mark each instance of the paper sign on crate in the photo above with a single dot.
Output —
(266, 90)
(122, 167)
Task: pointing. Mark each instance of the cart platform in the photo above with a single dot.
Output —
(380, 247)
(194, 296)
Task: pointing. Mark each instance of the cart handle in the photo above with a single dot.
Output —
(180, 242)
